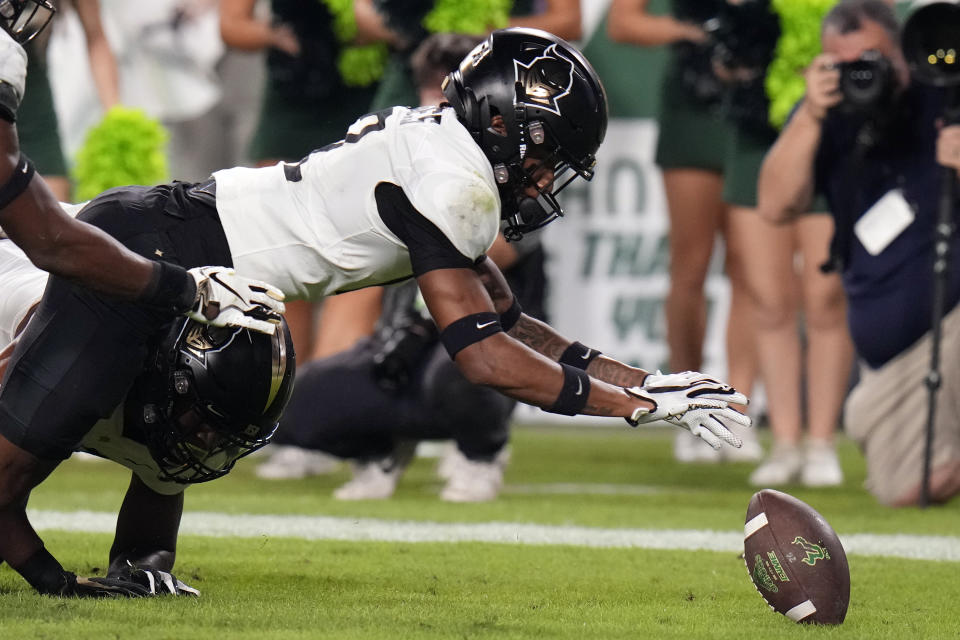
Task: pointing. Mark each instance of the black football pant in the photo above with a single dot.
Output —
(337, 407)
(80, 353)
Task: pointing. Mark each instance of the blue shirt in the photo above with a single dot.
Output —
(889, 294)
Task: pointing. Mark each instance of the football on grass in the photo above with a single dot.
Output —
(795, 559)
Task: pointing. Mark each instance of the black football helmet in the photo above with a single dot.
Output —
(211, 395)
(23, 19)
(554, 109)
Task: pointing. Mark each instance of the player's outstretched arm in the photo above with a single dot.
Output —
(545, 340)
(470, 330)
(690, 400)
(145, 546)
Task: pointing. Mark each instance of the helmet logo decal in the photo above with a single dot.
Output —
(546, 79)
(198, 342)
(479, 53)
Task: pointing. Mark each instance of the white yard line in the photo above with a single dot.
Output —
(369, 529)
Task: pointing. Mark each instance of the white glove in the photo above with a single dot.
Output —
(693, 401)
(225, 299)
(13, 64)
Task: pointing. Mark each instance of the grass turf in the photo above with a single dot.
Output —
(284, 588)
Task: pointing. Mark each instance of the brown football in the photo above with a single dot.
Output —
(795, 559)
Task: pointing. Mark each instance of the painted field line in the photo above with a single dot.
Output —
(369, 529)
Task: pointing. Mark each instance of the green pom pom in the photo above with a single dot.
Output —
(798, 45)
(127, 147)
(467, 16)
(361, 66)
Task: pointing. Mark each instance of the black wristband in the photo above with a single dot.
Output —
(509, 317)
(45, 573)
(170, 287)
(468, 330)
(573, 395)
(578, 355)
(18, 182)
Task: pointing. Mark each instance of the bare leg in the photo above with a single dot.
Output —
(773, 285)
(346, 318)
(829, 348)
(695, 207)
(299, 317)
(742, 362)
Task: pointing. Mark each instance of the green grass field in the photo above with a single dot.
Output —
(587, 484)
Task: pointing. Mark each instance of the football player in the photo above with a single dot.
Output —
(31, 217)
(407, 193)
(207, 396)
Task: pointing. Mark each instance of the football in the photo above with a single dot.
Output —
(795, 559)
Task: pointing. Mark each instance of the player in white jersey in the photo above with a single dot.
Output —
(407, 193)
(207, 397)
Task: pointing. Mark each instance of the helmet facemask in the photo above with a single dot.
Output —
(191, 443)
(24, 19)
(538, 150)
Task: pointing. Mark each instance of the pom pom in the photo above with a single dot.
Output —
(468, 16)
(359, 65)
(127, 147)
(798, 45)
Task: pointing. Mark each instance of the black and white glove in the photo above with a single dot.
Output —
(79, 587)
(13, 76)
(152, 581)
(693, 401)
(225, 299)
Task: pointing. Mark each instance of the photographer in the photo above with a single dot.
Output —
(878, 164)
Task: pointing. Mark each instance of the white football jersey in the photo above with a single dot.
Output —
(22, 288)
(313, 228)
(22, 283)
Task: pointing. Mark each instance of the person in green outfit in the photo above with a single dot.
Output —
(691, 154)
(803, 382)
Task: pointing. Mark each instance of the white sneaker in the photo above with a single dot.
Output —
(689, 448)
(289, 462)
(474, 481)
(376, 479)
(782, 467)
(821, 467)
(452, 459)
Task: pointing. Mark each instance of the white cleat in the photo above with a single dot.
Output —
(376, 479)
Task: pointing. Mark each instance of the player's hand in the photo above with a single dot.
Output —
(823, 86)
(225, 299)
(693, 401)
(13, 75)
(153, 581)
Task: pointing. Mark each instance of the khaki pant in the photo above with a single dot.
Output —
(886, 414)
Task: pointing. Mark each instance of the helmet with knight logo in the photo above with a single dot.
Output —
(553, 108)
(209, 396)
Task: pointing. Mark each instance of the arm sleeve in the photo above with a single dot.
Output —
(429, 248)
